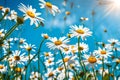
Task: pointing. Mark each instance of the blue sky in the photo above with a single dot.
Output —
(106, 17)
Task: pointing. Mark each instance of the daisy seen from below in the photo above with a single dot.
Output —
(114, 42)
(57, 43)
(3, 68)
(48, 54)
(28, 47)
(114, 45)
(91, 60)
(69, 61)
(5, 12)
(2, 33)
(80, 31)
(83, 47)
(51, 74)
(13, 15)
(102, 53)
(17, 58)
(45, 36)
(34, 76)
(49, 62)
(50, 7)
(30, 13)
(70, 49)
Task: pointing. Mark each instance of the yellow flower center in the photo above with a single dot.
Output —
(66, 59)
(1, 7)
(48, 4)
(69, 35)
(31, 14)
(72, 47)
(18, 69)
(66, 49)
(73, 78)
(60, 68)
(73, 51)
(49, 61)
(1, 66)
(21, 41)
(80, 31)
(71, 65)
(118, 61)
(58, 42)
(17, 58)
(46, 36)
(7, 10)
(113, 43)
(46, 54)
(92, 59)
(81, 48)
(50, 74)
(103, 52)
(29, 48)
(35, 76)
(1, 33)
(67, 13)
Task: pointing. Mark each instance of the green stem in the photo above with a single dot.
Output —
(114, 69)
(6, 55)
(10, 31)
(116, 53)
(79, 54)
(108, 73)
(3, 16)
(94, 72)
(64, 65)
(38, 53)
(103, 67)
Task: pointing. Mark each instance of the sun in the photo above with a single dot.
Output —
(117, 3)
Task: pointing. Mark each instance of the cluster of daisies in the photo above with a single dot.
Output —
(62, 60)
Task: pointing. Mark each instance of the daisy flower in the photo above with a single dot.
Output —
(13, 15)
(114, 45)
(45, 35)
(17, 58)
(1, 7)
(30, 13)
(48, 54)
(2, 33)
(57, 43)
(66, 50)
(49, 62)
(80, 31)
(61, 76)
(3, 68)
(102, 53)
(29, 47)
(114, 42)
(5, 12)
(51, 73)
(91, 60)
(83, 47)
(50, 7)
(84, 19)
(34, 76)
(70, 49)
(22, 41)
(70, 61)
(73, 49)
(60, 69)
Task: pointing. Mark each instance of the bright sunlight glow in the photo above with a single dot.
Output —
(117, 3)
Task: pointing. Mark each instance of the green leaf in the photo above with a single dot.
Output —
(106, 77)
